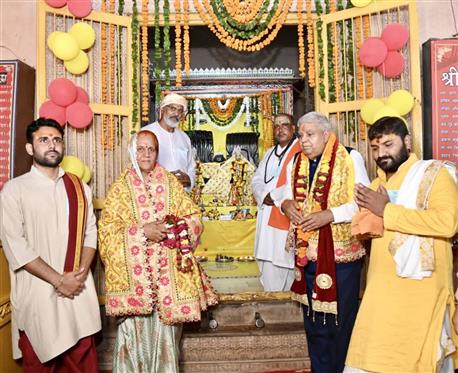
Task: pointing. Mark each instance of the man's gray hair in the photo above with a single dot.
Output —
(316, 118)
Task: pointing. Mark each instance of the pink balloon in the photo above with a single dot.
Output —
(79, 8)
(79, 115)
(50, 110)
(393, 65)
(81, 95)
(395, 36)
(62, 92)
(56, 3)
(373, 52)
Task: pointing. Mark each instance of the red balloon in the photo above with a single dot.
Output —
(79, 8)
(62, 92)
(50, 110)
(393, 65)
(373, 52)
(81, 95)
(79, 115)
(56, 3)
(395, 36)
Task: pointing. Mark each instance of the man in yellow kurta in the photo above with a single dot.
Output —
(403, 324)
(148, 229)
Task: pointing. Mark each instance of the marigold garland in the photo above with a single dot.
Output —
(145, 63)
(252, 44)
(310, 45)
(300, 39)
(135, 67)
(103, 73)
(157, 53)
(186, 40)
(243, 11)
(369, 74)
(178, 79)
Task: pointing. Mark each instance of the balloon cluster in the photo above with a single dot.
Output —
(383, 53)
(360, 3)
(399, 103)
(75, 166)
(70, 46)
(79, 8)
(68, 104)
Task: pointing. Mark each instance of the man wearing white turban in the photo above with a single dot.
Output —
(176, 151)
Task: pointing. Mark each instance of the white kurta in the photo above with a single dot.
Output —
(270, 242)
(175, 151)
(34, 223)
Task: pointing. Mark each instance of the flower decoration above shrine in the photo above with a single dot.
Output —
(68, 104)
(398, 104)
(70, 46)
(178, 239)
(78, 8)
(384, 53)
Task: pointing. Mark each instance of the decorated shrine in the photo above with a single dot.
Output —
(102, 68)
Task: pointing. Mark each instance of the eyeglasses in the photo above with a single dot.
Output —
(175, 109)
(46, 140)
(145, 149)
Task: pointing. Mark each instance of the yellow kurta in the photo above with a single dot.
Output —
(400, 320)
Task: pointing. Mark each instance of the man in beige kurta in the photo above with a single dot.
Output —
(54, 310)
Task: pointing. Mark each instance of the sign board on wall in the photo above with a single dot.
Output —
(440, 95)
(17, 100)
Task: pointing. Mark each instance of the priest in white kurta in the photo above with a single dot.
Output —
(50, 307)
(176, 152)
(275, 263)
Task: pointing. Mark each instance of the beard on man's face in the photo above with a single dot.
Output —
(172, 121)
(46, 160)
(390, 164)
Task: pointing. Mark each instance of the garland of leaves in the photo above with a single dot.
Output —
(167, 58)
(120, 64)
(135, 67)
(319, 29)
(157, 54)
(227, 118)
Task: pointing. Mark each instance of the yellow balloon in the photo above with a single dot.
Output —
(65, 46)
(401, 100)
(73, 164)
(84, 34)
(79, 65)
(388, 111)
(360, 3)
(86, 175)
(369, 108)
(52, 38)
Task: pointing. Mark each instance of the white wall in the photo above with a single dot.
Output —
(18, 31)
(435, 18)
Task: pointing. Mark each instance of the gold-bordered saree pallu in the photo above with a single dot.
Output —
(77, 214)
(142, 276)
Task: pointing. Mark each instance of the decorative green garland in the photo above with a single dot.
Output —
(135, 67)
(157, 53)
(244, 30)
(166, 11)
(215, 119)
(319, 28)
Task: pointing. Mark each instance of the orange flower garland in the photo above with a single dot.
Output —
(111, 75)
(335, 53)
(186, 52)
(178, 79)
(243, 11)
(103, 72)
(222, 113)
(144, 62)
(300, 39)
(369, 76)
(310, 45)
(359, 67)
(252, 44)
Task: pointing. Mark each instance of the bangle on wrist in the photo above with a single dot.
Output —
(60, 282)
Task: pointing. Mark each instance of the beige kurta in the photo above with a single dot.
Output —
(34, 223)
(400, 320)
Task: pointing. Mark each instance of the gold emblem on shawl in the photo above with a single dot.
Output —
(324, 281)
